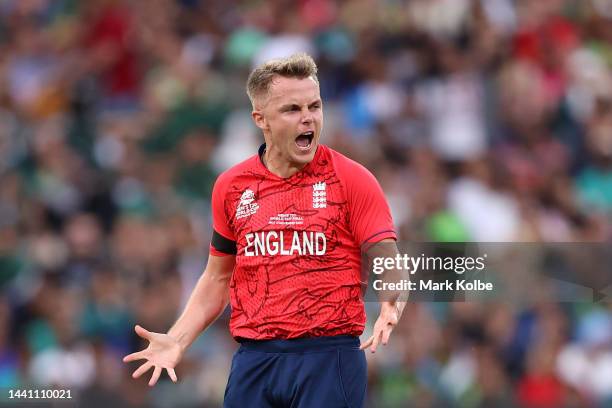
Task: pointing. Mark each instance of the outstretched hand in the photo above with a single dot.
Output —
(386, 322)
(163, 351)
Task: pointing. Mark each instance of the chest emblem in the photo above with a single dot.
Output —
(319, 195)
(247, 205)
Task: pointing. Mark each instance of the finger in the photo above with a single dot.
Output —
(367, 343)
(142, 332)
(142, 369)
(377, 336)
(134, 356)
(386, 334)
(172, 374)
(155, 376)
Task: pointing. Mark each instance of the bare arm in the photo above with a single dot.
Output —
(392, 307)
(207, 301)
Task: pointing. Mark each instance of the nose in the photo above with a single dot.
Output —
(306, 116)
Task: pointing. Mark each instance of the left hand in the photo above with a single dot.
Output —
(387, 320)
(163, 352)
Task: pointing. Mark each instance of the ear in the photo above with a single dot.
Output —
(259, 119)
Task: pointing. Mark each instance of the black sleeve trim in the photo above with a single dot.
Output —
(222, 244)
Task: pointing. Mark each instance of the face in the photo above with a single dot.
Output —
(291, 118)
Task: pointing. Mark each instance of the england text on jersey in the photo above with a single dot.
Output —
(274, 243)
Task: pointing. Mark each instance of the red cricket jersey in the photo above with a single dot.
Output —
(297, 245)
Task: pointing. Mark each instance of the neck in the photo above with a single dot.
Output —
(279, 166)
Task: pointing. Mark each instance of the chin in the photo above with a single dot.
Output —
(304, 157)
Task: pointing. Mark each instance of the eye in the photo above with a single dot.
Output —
(315, 106)
(293, 108)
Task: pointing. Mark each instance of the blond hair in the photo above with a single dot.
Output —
(296, 66)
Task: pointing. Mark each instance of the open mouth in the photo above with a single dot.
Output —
(304, 140)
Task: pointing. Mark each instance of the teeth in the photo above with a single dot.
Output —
(307, 133)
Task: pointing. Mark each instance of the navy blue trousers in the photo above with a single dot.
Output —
(299, 373)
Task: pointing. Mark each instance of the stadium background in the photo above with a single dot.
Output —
(484, 120)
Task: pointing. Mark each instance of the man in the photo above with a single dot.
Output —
(288, 227)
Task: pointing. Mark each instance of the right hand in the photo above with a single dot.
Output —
(164, 351)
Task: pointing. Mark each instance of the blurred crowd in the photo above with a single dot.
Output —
(483, 120)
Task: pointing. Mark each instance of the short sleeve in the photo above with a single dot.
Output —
(223, 241)
(369, 214)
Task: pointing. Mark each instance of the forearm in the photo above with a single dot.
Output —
(206, 303)
(394, 306)
(392, 302)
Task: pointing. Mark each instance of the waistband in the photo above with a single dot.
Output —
(307, 344)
